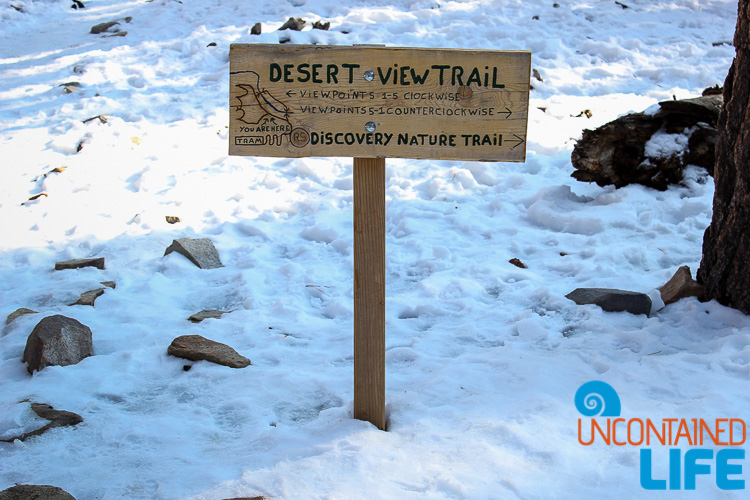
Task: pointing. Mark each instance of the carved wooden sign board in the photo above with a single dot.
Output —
(363, 101)
(372, 103)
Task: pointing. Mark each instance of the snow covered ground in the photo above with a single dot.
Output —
(483, 358)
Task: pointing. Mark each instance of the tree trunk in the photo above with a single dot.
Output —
(725, 267)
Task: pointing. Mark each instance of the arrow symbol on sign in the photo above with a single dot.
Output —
(289, 93)
(520, 141)
(507, 111)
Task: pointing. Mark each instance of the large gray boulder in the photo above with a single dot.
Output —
(35, 492)
(200, 251)
(59, 341)
(197, 348)
(613, 300)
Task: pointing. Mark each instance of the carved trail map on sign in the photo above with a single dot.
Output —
(314, 100)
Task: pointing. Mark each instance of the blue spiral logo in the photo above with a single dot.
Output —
(597, 398)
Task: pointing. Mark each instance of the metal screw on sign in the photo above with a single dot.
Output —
(370, 126)
(369, 76)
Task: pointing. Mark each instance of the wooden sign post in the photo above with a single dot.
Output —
(370, 103)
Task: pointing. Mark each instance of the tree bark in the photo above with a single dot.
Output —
(725, 266)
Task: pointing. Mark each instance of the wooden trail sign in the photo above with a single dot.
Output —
(315, 100)
(371, 103)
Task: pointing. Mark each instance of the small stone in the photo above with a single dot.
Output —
(320, 25)
(256, 29)
(517, 262)
(537, 75)
(171, 219)
(109, 284)
(200, 251)
(101, 28)
(102, 118)
(97, 262)
(57, 341)
(197, 348)
(294, 24)
(88, 298)
(248, 498)
(57, 418)
(681, 285)
(715, 90)
(612, 300)
(70, 87)
(17, 313)
(207, 314)
(35, 492)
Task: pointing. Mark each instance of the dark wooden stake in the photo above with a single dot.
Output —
(369, 290)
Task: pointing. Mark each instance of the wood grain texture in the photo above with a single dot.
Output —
(315, 100)
(369, 290)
